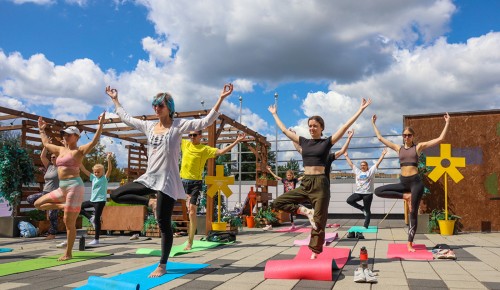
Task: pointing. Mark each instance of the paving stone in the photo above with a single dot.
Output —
(426, 283)
(197, 284)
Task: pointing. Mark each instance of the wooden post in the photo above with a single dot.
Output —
(210, 171)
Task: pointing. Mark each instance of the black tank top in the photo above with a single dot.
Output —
(408, 157)
(315, 151)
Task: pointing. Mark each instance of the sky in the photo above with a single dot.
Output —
(320, 57)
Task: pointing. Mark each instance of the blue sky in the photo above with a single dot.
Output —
(415, 57)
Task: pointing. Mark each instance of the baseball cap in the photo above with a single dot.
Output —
(71, 130)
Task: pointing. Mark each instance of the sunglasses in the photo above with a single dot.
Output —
(64, 133)
(192, 135)
(160, 105)
(407, 135)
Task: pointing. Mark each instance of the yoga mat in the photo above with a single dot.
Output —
(302, 267)
(45, 262)
(140, 276)
(179, 249)
(400, 251)
(5, 250)
(295, 230)
(370, 229)
(329, 237)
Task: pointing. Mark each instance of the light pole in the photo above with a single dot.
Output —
(276, 140)
(239, 155)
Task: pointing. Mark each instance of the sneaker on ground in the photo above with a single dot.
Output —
(62, 245)
(268, 227)
(94, 242)
(359, 275)
(134, 237)
(309, 213)
(360, 236)
(351, 235)
(369, 276)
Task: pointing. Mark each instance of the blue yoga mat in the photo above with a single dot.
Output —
(139, 278)
(5, 250)
(370, 229)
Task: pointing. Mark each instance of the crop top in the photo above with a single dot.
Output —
(67, 161)
(408, 157)
(315, 151)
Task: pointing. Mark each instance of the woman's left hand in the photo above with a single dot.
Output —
(365, 103)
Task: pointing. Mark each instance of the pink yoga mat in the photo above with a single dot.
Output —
(329, 237)
(302, 267)
(295, 230)
(400, 251)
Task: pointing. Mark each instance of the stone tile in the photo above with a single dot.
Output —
(491, 285)
(309, 284)
(426, 283)
(197, 284)
(12, 285)
(465, 284)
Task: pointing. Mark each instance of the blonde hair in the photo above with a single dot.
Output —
(98, 166)
(291, 172)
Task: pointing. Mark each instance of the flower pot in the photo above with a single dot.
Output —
(250, 221)
(219, 227)
(446, 227)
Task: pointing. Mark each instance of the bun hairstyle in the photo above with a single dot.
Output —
(319, 120)
(167, 100)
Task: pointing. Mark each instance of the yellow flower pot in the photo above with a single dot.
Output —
(446, 227)
(219, 227)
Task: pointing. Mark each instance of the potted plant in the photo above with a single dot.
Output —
(234, 222)
(439, 215)
(265, 216)
(266, 180)
(16, 169)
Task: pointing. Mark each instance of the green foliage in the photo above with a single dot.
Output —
(266, 213)
(437, 215)
(36, 215)
(423, 169)
(98, 156)
(233, 220)
(16, 169)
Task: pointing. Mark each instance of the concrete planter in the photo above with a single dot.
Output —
(8, 226)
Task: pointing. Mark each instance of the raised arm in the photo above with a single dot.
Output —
(348, 160)
(292, 136)
(241, 136)
(110, 165)
(43, 157)
(124, 116)
(84, 170)
(85, 149)
(423, 145)
(272, 173)
(296, 145)
(340, 132)
(350, 133)
(226, 91)
(386, 142)
(381, 157)
(45, 139)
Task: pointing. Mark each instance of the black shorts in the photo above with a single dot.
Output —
(193, 189)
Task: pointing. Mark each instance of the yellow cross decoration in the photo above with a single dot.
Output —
(447, 165)
(219, 182)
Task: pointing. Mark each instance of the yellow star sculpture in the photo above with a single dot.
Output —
(449, 169)
(219, 182)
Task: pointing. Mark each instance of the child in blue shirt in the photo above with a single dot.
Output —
(98, 197)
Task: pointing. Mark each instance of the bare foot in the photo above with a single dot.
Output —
(50, 237)
(407, 198)
(410, 247)
(188, 247)
(159, 271)
(314, 256)
(64, 258)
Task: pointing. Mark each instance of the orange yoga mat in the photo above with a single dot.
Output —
(302, 267)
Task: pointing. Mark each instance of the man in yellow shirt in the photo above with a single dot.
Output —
(194, 158)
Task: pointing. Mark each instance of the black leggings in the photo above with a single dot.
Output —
(411, 184)
(136, 193)
(98, 208)
(367, 204)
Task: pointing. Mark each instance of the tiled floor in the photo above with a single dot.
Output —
(241, 266)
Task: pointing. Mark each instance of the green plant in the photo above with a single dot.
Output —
(422, 171)
(150, 223)
(268, 177)
(233, 220)
(16, 169)
(437, 215)
(36, 215)
(266, 213)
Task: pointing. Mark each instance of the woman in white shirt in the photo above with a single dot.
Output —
(162, 174)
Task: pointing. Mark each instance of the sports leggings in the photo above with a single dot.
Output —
(98, 208)
(136, 193)
(411, 184)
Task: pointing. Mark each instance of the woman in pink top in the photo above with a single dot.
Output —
(69, 195)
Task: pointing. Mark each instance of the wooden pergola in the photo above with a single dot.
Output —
(223, 131)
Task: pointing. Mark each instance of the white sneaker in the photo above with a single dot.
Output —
(359, 275)
(370, 277)
(268, 227)
(94, 242)
(62, 245)
(309, 213)
(134, 237)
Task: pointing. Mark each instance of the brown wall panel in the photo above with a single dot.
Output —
(475, 136)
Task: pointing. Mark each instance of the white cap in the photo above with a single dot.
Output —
(71, 130)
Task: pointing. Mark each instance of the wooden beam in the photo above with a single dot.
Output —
(8, 117)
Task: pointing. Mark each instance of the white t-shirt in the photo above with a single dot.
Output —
(364, 180)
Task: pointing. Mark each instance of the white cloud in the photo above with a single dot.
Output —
(37, 2)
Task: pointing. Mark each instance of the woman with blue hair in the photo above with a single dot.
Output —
(162, 174)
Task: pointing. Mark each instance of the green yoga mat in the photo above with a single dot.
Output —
(179, 249)
(45, 262)
(370, 229)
